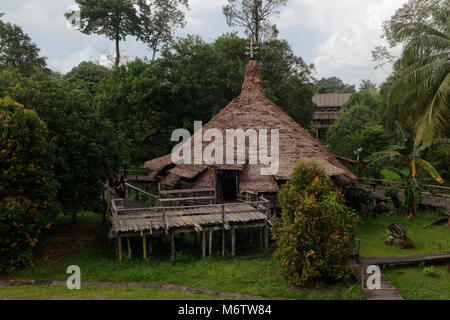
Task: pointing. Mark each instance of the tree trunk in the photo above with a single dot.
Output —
(117, 62)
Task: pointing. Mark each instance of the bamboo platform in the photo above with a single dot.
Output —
(168, 214)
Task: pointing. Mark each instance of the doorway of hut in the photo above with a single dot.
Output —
(226, 186)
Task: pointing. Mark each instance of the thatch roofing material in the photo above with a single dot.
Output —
(252, 110)
(158, 164)
(206, 180)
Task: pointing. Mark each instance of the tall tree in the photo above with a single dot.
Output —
(17, 50)
(333, 85)
(115, 19)
(367, 85)
(423, 81)
(158, 21)
(253, 16)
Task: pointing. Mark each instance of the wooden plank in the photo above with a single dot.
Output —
(119, 240)
(223, 242)
(266, 241)
(129, 248)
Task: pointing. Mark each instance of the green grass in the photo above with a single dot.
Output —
(92, 293)
(373, 235)
(414, 284)
(258, 276)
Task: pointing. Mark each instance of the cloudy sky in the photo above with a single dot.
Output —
(336, 35)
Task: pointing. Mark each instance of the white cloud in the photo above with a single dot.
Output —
(350, 29)
(66, 64)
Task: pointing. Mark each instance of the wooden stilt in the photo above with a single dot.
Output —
(129, 248)
(150, 246)
(233, 241)
(119, 241)
(203, 244)
(261, 238)
(172, 246)
(266, 240)
(223, 242)
(144, 247)
(210, 242)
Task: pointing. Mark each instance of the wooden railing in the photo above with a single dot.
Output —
(189, 196)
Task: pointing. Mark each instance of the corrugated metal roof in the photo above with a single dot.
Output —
(331, 99)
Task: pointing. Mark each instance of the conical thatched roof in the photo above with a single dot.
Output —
(252, 110)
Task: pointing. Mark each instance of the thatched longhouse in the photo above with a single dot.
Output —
(250, 110)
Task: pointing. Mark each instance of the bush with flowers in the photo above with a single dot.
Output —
(27, 184)
(315, 234)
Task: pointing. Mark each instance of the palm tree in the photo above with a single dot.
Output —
(424, 76)
(408, 153)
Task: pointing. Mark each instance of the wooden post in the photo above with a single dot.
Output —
(260, 232)
(172, 246)
(223, 242)
(251, 236)
(195, 238)
(144, 247)
(203, 244)
(266, 240)
(129, 248)
(119, 241)
(150, 246)
(210, 242)
(233, 241)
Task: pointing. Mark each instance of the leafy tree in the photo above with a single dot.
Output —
(253, 16)
(367, 85)
(89, 73)
(365, 98)
(115, 19)
(147, 101)
(315, 233)
(17, 50)
(333, 85)
(88, 150)
(27, 183)
(423, 82)
(409, 153)
(158, 21)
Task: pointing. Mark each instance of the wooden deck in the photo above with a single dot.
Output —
(183, 211)
(387, 290)
(407, 259)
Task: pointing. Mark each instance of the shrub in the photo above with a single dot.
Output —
(315, 234)
(27, 185)
(356, 196)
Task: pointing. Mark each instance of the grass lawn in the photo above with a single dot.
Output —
(411, 281)
(415, 284)
(91, 293)
(373, 235)
(256, 276)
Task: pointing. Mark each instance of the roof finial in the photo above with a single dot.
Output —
(251, 49)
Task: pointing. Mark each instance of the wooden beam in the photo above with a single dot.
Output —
(172, 246)
(223, 242)
(144, 247)
(119, 241)
(203, 244)
(210, 241)
(233, 241)
(150, 246)
(266, 240)
(129, 248)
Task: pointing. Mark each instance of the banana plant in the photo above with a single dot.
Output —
(408, 153)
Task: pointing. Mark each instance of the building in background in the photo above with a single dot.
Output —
(328, 109)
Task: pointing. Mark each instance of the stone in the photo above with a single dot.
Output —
(404, 243)
(397, 231)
